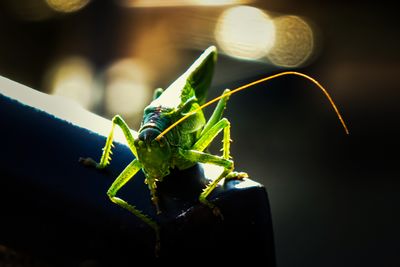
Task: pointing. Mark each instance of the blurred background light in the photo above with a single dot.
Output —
(294, 42)
(245, 32)
(172, 3)
(72, 78)
(67, 6)
(127, 90)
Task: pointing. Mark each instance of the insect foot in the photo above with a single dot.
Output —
(215, 210)
(236, 176)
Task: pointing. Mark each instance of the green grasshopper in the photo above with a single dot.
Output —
(174, 134)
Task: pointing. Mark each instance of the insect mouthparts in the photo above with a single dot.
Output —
(148, 134)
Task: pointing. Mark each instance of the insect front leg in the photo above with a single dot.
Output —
(121, 180)
(125, 175)
(106, 156)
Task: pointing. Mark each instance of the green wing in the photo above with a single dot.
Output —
(191, 85)
(200, 74)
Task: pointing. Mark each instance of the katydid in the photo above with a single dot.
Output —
(174, 134)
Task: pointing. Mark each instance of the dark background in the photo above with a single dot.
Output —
(334, 198)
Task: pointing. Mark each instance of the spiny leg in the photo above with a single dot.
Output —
(217, 113)
(125, 175)
(121, 180)
(205, 139)
(198, 156)
(213, 127)
(106, 156)
(210, 135)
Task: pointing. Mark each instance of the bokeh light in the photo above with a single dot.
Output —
(67, 6)
(171, 3)
(294, 42)
(127, 91)
(72, 78)
(245, 32)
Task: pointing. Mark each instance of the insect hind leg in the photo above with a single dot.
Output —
(210, 135)
(196, 155)
(213, 126)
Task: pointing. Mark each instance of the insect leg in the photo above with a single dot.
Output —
(217, 113)
(106, 156)
(205, 139)
(119, 182)
(210, 135)
(198, 156)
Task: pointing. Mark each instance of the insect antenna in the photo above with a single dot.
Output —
(254, 83)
